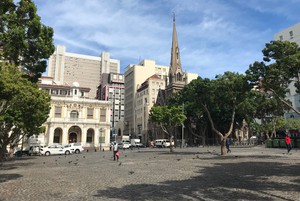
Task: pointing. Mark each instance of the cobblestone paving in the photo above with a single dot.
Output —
(191, 174)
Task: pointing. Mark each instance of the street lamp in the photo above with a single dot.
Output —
(100, 138)
(182, 131)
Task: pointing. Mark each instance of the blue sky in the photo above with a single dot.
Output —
(214, 35)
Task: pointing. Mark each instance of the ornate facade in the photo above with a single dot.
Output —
(76, 118)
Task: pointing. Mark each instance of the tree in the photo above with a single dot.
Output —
(24, 40)
(167, 118)
(279, 69)
(23, 107)
(223, 101)
(196, 123)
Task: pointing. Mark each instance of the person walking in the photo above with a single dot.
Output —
(116, 151)
(288, 143)
(228, 144)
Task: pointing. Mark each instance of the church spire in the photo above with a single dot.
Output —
(175, 64)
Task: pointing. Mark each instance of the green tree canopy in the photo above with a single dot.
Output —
(279, 69)
(24, 40)
(222, 102)
(23, 107)
(167, 118)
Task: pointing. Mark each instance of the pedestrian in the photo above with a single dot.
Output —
(116, 151)
(288, 143)
(228, 144)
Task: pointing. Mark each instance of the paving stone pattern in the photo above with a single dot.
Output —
(190, 174)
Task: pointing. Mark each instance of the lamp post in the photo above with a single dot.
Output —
(100, 138)
(182, 131)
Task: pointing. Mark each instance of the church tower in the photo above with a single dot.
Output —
(177, 78)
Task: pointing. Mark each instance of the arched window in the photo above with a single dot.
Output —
(89, 135)
(74, 115)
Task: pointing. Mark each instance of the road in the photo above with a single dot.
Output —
(255, 173)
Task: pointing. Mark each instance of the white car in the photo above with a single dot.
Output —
(75, 147)
(124, 145)
(55, 150)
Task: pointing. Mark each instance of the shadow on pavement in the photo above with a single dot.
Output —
(223, 181)
(7, 177)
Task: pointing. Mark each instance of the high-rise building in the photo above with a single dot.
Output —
(112, 89)
(291, 34)
(66, 68)
(135, 75)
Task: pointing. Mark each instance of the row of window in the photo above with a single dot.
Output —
(75, 114)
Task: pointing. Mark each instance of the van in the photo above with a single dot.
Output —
(162, 143)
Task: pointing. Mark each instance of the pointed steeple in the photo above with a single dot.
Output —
(175, 64)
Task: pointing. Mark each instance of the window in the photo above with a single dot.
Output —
(280, 37)
(90, 113)
(102, 115)
(89, 136)
(291, 34)
(74, 115)
(58, 111)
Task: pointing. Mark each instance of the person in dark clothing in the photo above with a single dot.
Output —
(228, 144)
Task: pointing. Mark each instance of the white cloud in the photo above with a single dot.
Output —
(214, 36)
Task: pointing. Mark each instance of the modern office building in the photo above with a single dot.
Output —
(66, 68)
(74, 117)
(291, 34)
(112, 89)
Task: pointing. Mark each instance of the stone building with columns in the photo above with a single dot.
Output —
(74, 117)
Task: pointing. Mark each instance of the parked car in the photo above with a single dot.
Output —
(123, 145)
(139, 145)
(55, 149)
(163, 143)
(18, 152)
(35, 150)
(75, 147)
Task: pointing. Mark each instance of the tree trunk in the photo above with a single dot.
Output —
(223, 147)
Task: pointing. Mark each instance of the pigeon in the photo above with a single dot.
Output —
(120, 163)
(131, 172)
(70, 162)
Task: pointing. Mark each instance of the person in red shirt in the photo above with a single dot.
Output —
(288, 143)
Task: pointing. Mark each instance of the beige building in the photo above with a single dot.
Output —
(66, 68)
(135, 75)
(145, 98)
(76, 118)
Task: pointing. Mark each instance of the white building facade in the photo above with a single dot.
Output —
(74, 117)
(291, 34)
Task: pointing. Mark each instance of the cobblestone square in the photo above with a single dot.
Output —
(255, 173)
